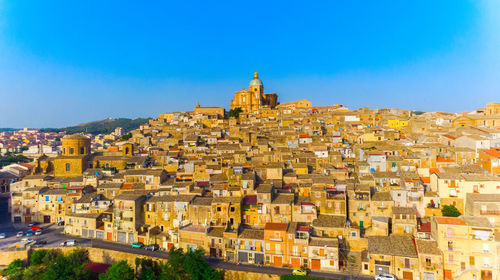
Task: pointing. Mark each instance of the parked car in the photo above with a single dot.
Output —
(40, 243)
(137, 245)
(61, 223)
(33, 228)
(2, 235)
(26, 240)
(300, 271)
(385, 276)
(20, 234)
(152, 247)
(29, 232)
(30, 224)
(67, 243)
(38, 232)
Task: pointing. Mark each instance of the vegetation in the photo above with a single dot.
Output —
(235, 113)
(450, 211)
(52, 264)
(126, 137)
(9, 158)
(101, 127)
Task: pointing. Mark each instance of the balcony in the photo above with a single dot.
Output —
(301, 241)
(490, 212)
(414, 198)
(276, 239)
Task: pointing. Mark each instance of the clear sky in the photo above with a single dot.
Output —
(63, 62)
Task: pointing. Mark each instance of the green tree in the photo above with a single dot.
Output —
(197, 266)
(450, 211)
(126, 137)
(14, 270)
(33, 272)
(235, 113)
(146, 274)
(173, 269)
(70, 267)
(37, 257)
(118, 271)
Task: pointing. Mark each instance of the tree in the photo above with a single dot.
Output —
(235, 113)
(69, 267)
(450, 211)
(126, 137)
(14, 270)
(37, 257)
(33, 272)
(118, 271)
(173, 269)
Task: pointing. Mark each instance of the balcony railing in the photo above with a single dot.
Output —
(490, 212)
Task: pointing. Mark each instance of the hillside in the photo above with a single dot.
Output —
(101, 127)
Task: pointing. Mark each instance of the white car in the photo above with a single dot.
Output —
(20, 234)
(2, 235)
(38, 232)
(26, 240)
(68, 243)
(385, 276)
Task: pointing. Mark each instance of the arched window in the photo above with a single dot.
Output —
(68, 167)
(82, 150)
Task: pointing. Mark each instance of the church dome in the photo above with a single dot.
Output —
(256, 81)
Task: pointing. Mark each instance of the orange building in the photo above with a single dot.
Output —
(490, 160)
(275, 236)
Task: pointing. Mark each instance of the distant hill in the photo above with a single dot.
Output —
(101, 127)
(8, 129)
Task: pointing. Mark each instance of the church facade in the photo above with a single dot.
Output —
(254, 99)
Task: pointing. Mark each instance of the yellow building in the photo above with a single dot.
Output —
(254, 99)
(217, 111)
(74, 158)
(397, 124)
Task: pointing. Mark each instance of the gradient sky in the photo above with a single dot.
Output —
(63, 63)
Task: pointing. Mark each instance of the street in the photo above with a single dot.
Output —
(53, 234)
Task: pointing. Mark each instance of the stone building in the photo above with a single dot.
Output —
(254, 99)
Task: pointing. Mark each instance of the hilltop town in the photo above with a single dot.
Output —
(365, 191)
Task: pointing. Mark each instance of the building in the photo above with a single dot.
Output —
(254, 99)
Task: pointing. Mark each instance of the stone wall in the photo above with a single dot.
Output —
(110, 257)
(8, 256)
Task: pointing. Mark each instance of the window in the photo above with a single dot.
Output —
(71, 151)
(353, 234)
(407, 263)
(472, 260)
(428, 261)
(366, 266)
(218, 209)
(82, 150)
(68, 167)
(232, 209)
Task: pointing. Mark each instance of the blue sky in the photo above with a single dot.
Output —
(63, 63)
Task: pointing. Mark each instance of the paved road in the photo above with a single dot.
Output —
(53, 234)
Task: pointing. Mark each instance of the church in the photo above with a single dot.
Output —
(254, 99)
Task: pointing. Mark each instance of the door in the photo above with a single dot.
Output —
(121, 237)
(278, 261)
(428, 276)
(110, 236)
(27, 219)
(46, 219)
(315, 264)
(213, 252)
(295, 262)
(407, 275)
(361, 223)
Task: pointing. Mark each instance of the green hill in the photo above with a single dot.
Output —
(101, 127)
